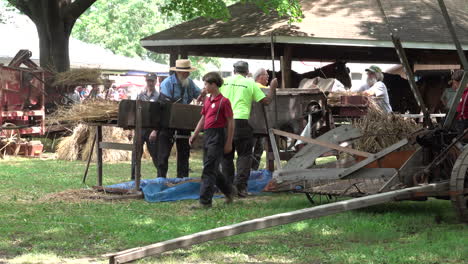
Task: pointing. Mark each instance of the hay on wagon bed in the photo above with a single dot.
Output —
(78, 145)
(381, 130)
(80, 76)
(96, 110)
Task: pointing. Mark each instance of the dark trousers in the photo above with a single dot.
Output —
(258, 148)
(213, 150)
(152, 149)
(165, 142)
(242, 144)
(461, 125)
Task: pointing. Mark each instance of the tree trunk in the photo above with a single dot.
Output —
(54, 20)
(54, 46)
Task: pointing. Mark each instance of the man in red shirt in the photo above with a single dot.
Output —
(216, 116)
(462, 108)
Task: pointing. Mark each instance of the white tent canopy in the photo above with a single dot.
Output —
(23, 35)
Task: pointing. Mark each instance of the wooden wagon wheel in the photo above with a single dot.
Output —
(459, 186)
(12, 135)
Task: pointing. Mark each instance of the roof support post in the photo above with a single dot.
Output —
(173, 56)
(286, 66)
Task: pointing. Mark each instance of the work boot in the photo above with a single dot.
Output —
(242, 193)
(200, 206)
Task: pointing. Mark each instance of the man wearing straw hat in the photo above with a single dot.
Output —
(148, 136)
(177, 88)
(241, 92)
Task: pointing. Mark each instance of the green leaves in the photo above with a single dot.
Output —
(217, 9)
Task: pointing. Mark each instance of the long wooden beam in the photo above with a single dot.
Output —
(321, 143)
(270, 221)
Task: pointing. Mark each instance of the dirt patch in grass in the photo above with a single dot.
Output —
(80, 195)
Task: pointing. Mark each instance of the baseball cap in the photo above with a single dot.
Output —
(374, 69)
(241, 66)
(151, 76)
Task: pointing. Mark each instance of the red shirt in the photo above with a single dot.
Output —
(462, 108)
(216, 111)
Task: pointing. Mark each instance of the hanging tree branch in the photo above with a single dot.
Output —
(78, 7)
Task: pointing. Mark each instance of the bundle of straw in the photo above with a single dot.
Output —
(78, 146)
(89, 111)
(80, 76)
(68, 148)
(381, 130)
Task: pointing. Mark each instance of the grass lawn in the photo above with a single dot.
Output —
(34, 229)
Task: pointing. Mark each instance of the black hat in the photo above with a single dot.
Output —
(241, 66)
(151, 76)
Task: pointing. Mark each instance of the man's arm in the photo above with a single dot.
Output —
(271, 92)
(230, 135)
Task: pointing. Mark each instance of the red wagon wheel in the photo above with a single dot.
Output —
(459, 186)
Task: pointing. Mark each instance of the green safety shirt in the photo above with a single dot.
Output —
(241, 92)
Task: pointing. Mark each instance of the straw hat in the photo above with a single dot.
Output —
(183, 66)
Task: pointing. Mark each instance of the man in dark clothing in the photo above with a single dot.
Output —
(241, 92)
(177, 88)
(148, 136)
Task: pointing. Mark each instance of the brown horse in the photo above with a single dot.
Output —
(337, 70)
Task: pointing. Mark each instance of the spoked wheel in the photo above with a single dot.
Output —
(459, 186)
(327, 198)
(10, 135)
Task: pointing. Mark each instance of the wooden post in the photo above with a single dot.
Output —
(99, 155)
(137, 147)
(173, 56)
(183, 54)
(286, 63)
(283, 73)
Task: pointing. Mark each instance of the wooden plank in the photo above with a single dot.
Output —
(373, 158)
(99, 155)
(305, 158)
(274, 146)
(330, 174)
(270, 221)
(118, 146)
(321, 143)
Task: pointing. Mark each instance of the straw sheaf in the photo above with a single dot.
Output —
(80, 76)
(78, 146)
(381, 130)
(89, 111)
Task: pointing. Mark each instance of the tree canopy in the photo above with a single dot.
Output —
(120, 24)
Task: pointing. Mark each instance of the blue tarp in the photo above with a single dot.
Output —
(160, 189)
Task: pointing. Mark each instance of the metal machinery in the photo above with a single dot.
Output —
(22, 109)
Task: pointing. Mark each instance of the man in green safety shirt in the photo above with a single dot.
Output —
(241, 92)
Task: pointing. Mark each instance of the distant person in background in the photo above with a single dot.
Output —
(261, 79)
(148, 136)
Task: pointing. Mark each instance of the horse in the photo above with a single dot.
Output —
(431, 85)
(337, 70)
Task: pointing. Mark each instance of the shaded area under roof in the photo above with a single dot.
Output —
(352, 30)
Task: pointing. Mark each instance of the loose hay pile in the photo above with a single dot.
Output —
(79, 144)
(381, 130)
(88, 111)
(78, 77)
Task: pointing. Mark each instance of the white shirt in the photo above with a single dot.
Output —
(381, 94)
